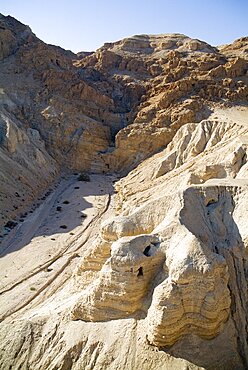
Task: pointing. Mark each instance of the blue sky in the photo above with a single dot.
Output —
(87, 24)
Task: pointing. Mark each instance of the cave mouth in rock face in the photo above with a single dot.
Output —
(140, 272)
(146, 251)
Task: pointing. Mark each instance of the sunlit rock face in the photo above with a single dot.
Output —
(124, 280)
(156, 277)
(95, 111)
(177, 253)
(188, 261)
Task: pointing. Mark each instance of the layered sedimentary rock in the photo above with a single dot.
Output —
(162, 283)
(94, 111)
(195, 296)
(130, 270)
(181, 77)
(189, 202)
(27, 169)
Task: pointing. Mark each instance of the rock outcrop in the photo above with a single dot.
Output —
(94, 111)
(130, 270)
(189, 206)
(157, 278)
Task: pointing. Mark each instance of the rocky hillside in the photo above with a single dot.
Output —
(154, 274)
(95, 112)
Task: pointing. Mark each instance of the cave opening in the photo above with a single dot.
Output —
(146, 251)
(140, 272)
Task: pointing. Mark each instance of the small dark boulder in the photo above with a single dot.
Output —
(84, 177)
(10, 224)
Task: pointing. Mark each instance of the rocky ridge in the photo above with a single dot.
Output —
(164, 265)
(102, 106)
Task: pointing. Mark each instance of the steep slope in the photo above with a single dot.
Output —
(95, 112)
(177, 251)
(183, 80)
(153, 274)
(46, 103)
(164, 283)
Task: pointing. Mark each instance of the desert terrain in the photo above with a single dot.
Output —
(123, 198)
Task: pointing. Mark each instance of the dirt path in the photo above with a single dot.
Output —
(40, 250)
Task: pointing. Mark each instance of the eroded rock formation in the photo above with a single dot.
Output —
(102, 106)
(189, 202)
(158, 278)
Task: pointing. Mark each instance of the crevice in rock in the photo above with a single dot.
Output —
(146, 251)
(239, 302)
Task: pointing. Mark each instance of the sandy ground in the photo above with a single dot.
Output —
(37, 251)
(233, 114)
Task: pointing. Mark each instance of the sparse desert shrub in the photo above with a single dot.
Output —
(84, 177)
(10, 224)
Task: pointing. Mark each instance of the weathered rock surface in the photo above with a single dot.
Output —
(130, 270)
(102, 106)
(200, 248)
(154, 276)
(181, 78)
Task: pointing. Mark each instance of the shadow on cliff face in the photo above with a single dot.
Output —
(74, 203)
(208, 214)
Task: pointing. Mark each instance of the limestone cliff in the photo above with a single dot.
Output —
(154, 274)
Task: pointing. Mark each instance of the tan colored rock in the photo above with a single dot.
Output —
(126, 277)
(194, 297)
(153, 276)
(26, 167)
(237, 48)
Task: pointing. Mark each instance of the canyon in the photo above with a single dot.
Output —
(123, 190)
